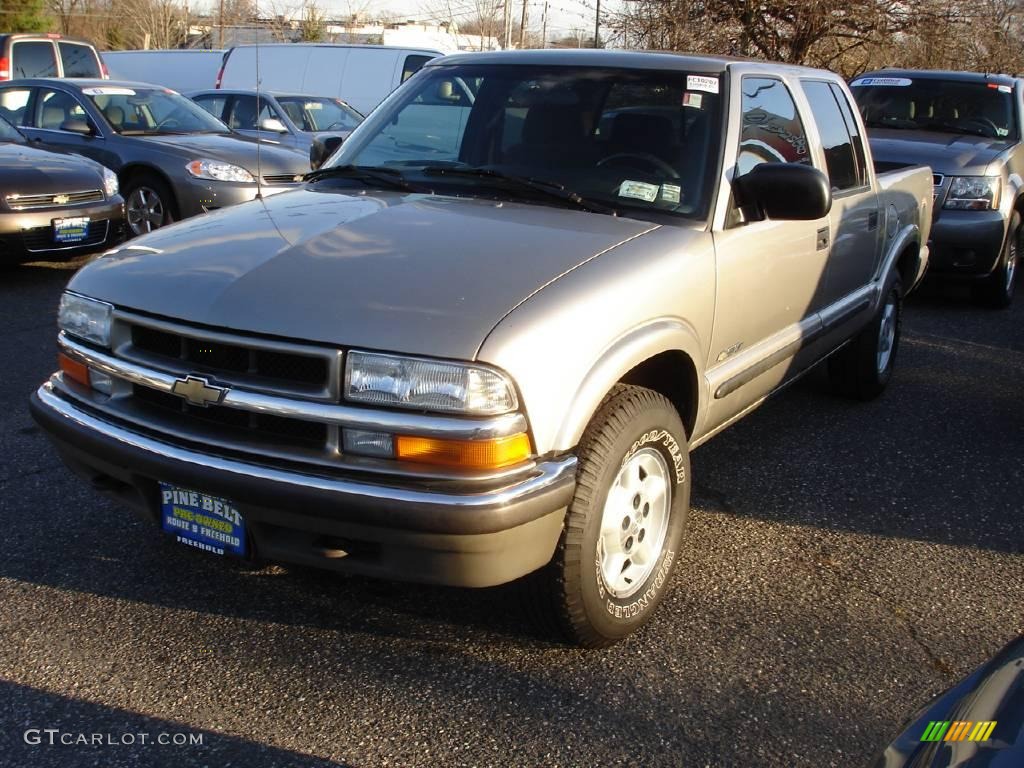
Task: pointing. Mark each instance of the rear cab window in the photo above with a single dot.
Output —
(841, 164)
(33, 58)
(79, 60)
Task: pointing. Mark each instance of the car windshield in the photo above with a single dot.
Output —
(620, 138)
(9, 133)
(315, 113)
(152, 111)
(938, 105)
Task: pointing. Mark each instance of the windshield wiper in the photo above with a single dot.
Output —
(549, 189)
(370, 175)
(954, 128)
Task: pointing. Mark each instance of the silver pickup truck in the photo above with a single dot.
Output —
(480, 343)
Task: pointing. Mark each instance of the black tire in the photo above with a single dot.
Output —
(859, 370)
(570, 596)
(996, 290)
(150, 187)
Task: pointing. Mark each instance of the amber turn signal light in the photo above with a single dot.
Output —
(468, 454)
(74, 370)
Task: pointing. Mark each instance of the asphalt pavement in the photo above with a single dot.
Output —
(844, 562)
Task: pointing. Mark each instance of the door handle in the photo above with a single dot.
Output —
(872, 221)
(823, 236)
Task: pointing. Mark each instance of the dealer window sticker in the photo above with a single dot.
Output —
(702, 83)
(671, 193)
(889, 82)
(108, 91)
(639, 190)
(694, 100)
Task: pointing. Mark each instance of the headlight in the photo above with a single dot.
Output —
(974, 193)
(84, 318)
(431, 385)
(215, 170)
(110, 185)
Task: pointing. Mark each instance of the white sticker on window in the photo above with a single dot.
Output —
(639, 190)
(671, 193)
(692, 100)
(893, 82)
(1005, 89)
(108, 91)
(702, 83)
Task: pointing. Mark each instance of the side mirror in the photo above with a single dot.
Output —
(273, 125)
(77, 125)
(785, 191)
(322, 148)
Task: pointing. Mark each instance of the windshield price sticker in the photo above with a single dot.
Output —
(891, 82)
(702, 83)
(692, 100)
(639, 190)
(108, 91)
(671, 193)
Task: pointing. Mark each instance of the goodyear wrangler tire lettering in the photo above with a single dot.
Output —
(622, 532)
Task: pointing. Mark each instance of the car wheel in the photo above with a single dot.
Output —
(148, 204)
(621, 538)
(996, 290)
(863, 367)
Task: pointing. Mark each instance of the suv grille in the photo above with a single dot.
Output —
(216, 358)
(50, 199)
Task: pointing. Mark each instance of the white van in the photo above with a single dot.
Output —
(361, 75)
(182, 70)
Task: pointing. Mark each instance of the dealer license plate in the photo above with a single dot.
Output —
(70, 230)
(199, 520)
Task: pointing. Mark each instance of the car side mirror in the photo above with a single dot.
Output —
(784, 191)
(322, 148)
(273, 125)
(77, 125)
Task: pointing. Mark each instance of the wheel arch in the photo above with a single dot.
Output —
(136, 169)
(663, 355)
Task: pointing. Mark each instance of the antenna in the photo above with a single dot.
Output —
(259, 139)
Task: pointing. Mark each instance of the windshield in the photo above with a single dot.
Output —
(623, 138)
(932, 104)
(314, 113)
(9, 133)
(136, 111)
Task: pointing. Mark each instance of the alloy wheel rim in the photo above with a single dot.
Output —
(887, 335)
(634, 523)
(145, 211)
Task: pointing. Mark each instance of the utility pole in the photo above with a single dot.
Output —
(544, 27)
(522, 28)
(597, 25)
(507, 37)
(220, 26)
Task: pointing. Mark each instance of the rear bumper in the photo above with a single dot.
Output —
(27, 235)
(460, 537)
(966, 244)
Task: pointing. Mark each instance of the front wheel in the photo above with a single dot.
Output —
(623, 527)
(996, 290)
(863, 367)
(148, 204)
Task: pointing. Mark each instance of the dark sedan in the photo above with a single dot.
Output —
(54, 206)
(173, 158)
(292, 120)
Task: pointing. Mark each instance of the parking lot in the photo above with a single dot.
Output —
(844, 563)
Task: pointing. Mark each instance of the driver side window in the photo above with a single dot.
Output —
(772, 131)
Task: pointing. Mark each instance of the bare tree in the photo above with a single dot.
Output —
(152, 23)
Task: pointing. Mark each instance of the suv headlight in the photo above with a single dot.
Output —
(974, 193)
(110, 185)
(86, 319)
(215, 170)
(431, 385)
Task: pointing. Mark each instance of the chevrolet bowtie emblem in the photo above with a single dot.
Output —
(198, 391)
(60, 199)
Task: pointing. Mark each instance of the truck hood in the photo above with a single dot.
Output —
(235, 149)
(946, 153)
(422, 274)
(26, 170)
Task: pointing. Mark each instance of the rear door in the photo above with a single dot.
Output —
(33, 58)
(854, 220)
(79, 60)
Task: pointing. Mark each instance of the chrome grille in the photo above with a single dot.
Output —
(282, 178)
(18, 202)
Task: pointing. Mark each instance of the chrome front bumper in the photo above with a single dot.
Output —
(422, 531)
